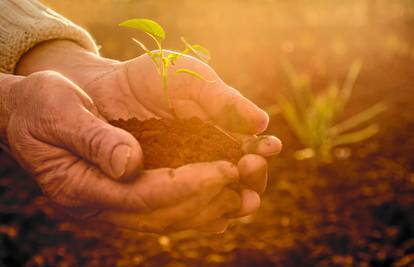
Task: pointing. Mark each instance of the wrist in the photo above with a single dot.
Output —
(66, 57)
(6, 102)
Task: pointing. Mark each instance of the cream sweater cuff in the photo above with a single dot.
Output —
(26, 23)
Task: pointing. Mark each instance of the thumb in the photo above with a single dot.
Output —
(116, 152)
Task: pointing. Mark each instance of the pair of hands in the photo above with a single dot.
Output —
(55, 123)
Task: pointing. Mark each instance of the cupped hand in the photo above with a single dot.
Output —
(134, 89)
(83, 164)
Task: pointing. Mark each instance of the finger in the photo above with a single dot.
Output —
(68, 180)
(264, 145)
(227, 201)
(217, 227)
(73, 182)
(114, 150)
(223, 104)
(162, 187)
(158, 188)
(157, 221)
(67, 121)
(253, 172)
(232, 110)
(250, 202)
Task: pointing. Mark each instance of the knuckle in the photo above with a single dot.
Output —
(227, 169)
(46, 90)
(93, 138)
(50, 83)
(45, 76)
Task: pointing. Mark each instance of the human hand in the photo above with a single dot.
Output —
(84, 164)
(134, 89)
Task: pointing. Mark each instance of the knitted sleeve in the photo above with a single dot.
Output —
(26, 23)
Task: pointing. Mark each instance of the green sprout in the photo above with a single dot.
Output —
(312, 117)
(164, 60)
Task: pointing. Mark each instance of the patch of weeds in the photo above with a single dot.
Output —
(313, 117)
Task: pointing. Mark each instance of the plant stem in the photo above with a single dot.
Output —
(165, 62)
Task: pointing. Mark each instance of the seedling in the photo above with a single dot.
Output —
(312, 117)
(163, 60)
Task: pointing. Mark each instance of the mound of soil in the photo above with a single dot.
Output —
(173, 143)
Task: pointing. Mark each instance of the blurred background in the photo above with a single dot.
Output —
(355, 210)
(247, 38)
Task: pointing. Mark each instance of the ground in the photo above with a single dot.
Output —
(356, 211)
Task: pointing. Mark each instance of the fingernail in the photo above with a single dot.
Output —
(262, 122)
(119, 160)
(265, 145)
(269, 146)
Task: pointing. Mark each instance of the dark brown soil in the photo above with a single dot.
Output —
(173, 143)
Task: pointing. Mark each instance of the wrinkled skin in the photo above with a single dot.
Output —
(56, 128)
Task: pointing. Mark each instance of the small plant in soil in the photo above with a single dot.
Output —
(164, 60)
(312, 117)
(175, 142)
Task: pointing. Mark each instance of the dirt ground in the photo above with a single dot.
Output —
(357, 211)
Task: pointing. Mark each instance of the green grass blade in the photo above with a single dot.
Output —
(331, 102)
(318, 121)
(348, 85)
(355, 137)
(300, 85)
(292, 117)
(148, 26)
(358, 119)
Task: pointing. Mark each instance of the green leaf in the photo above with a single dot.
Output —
(194, 74)
(200, 51)
(172, 57)
(358, 119)
(145, 25)
(357, 136)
